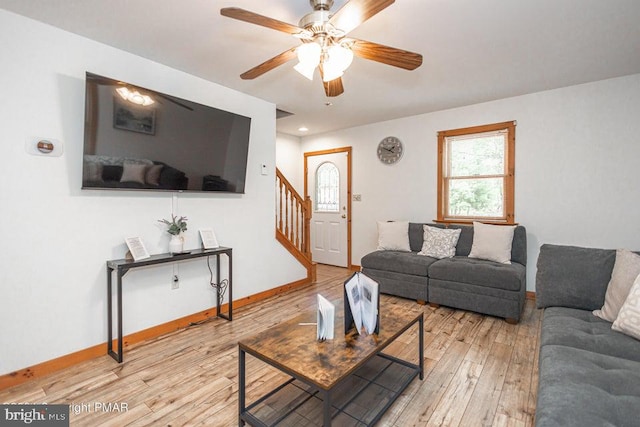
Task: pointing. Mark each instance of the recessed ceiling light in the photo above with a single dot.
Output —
(303, 129)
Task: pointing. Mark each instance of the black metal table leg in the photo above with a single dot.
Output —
(119, 288)
(218, 285)
(421, 345)
(326, 408)
(230, 285)
(109, 313)
(229, 314)
(241, 386)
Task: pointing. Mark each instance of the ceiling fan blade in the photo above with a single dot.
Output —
(254, 18)
(386, 54)
(334, 87)
(355, 12)
(269, 64)
(331, 88)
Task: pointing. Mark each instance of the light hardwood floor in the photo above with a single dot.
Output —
(479, 370)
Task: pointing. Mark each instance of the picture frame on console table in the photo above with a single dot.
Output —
(137, 250)
(208, 238)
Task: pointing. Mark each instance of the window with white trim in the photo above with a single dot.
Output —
(476, 168)
(327, 188)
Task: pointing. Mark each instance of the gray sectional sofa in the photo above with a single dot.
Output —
(589, 375)
(460, 282)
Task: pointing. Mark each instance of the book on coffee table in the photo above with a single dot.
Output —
(362, 304)
(326, 318)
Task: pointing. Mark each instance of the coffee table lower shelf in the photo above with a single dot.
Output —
(360, 400)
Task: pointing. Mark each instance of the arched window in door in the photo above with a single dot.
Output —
(327, 188)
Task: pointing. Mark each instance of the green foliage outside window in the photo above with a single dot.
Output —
(476, 181)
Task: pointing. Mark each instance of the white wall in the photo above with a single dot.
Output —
(289, 158)
(577, 151)
(58, 237)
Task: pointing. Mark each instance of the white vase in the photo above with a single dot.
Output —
(176, 244)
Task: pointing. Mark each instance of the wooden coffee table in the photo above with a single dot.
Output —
(347, 380)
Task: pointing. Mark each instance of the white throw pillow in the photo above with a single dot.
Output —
(439, 242)
(625, 270)
(492, 242)
(628, 320)
(393, 236)
(133, 173)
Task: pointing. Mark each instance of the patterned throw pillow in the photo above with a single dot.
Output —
(439, 242)
(628, 321)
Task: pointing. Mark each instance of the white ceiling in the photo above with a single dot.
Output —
(474, 50)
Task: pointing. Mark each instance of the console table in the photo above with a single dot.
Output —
(122, 266)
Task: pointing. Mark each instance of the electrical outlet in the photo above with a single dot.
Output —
(175, 282)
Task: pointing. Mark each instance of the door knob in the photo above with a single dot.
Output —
(344, 216)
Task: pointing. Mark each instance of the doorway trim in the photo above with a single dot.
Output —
(347, 150)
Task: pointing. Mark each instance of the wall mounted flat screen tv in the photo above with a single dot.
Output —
(140, 139)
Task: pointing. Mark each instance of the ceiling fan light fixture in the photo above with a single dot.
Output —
(331, 74)
(340, 56)
(305, 70)
(309, 54)
(123, 92)
(309, 58)
(338, 60)
(134, 96)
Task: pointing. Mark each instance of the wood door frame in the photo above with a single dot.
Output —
(349, 151)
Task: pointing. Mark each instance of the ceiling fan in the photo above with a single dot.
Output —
(324, 42)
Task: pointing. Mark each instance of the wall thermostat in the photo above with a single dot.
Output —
(43, 146)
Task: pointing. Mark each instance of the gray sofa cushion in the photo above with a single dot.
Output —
(481, 299)
(519, 247)
(479, 272)
(398, 262)
(581, 388)
(570, 276)
(402, 285)
(581, 329)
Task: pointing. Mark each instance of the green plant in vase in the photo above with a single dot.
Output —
(175, 227)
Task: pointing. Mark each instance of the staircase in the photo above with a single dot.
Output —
(293, 223)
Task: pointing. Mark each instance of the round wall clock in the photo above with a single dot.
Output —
(390, 150)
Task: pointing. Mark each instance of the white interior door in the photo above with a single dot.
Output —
(329, 203)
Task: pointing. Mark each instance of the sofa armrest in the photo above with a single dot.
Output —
(574, 277)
